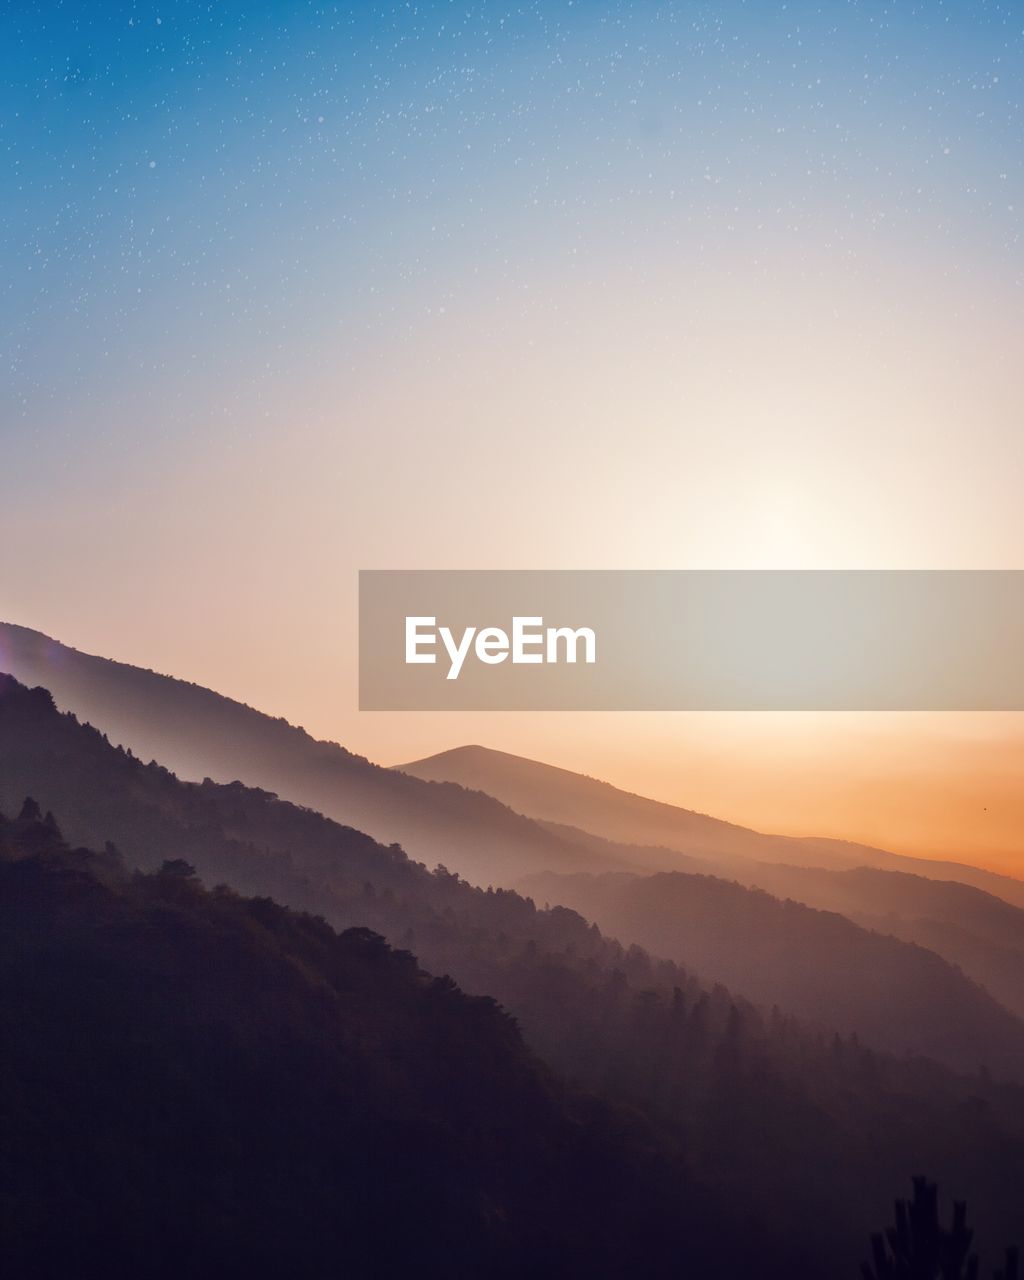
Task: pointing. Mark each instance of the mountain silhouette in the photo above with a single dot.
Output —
(818, 965)
(199, 1084)
(965, 914)
(982, 934)
(198, 734)
(491, 816)
(560, 796)
(807, 1135)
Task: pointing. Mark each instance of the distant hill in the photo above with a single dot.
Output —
(971, 917)
(435, 810)
(816, 964)
(805, 1134)
(197, 1084)
(898, 997)
(198, 734)
(981, 933)
(560, 796)
(975, 930)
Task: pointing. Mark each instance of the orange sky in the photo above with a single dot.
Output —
(937, 785)
(797, 414)
(575, 291)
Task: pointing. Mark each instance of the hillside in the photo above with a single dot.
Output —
(198, 734)
(976, 931)
(811, 1134)
(981, 933)
(896, 996)
(818, 965)
(560, 796)
(533, 817)
(200, 1084)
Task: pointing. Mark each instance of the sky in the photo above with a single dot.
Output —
(290, 290)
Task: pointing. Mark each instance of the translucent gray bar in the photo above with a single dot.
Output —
(696, 640)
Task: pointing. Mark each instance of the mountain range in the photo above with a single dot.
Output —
(483, 813)
(819, 965)
(972, 917)
(559, 796)
(199, 733)
(761, 1106)
(794, 1045)
(196, 1083)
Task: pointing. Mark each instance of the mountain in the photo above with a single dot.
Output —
(482, 838)
(790, 1138)
(809, 963)
(199, 1084)
(571, 799)
(973, 917)
(560, 796)
(818, 965)
(199, 734)
(982, 934)
(490, 816)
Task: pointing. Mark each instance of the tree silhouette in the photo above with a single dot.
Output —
(177, 869)
(30, 811)
(918, 1247)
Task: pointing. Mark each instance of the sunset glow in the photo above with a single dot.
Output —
(701, 290)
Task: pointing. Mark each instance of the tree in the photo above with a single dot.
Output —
(918, 1247)
(177, 869)
(30, 811)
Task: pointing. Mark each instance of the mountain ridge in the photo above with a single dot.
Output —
(761, 1105)
(817, 964)
(199, 733)
(481, 837)
(550, 793)
(293, 1095)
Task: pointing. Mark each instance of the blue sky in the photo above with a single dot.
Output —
(290, 290)
(192, 191)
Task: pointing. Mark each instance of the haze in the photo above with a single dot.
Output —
(578, 289)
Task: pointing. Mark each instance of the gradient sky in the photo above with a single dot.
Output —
(289, 290)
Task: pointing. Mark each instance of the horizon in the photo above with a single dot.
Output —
(295, 293)
(396, 373)
(771, 806)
